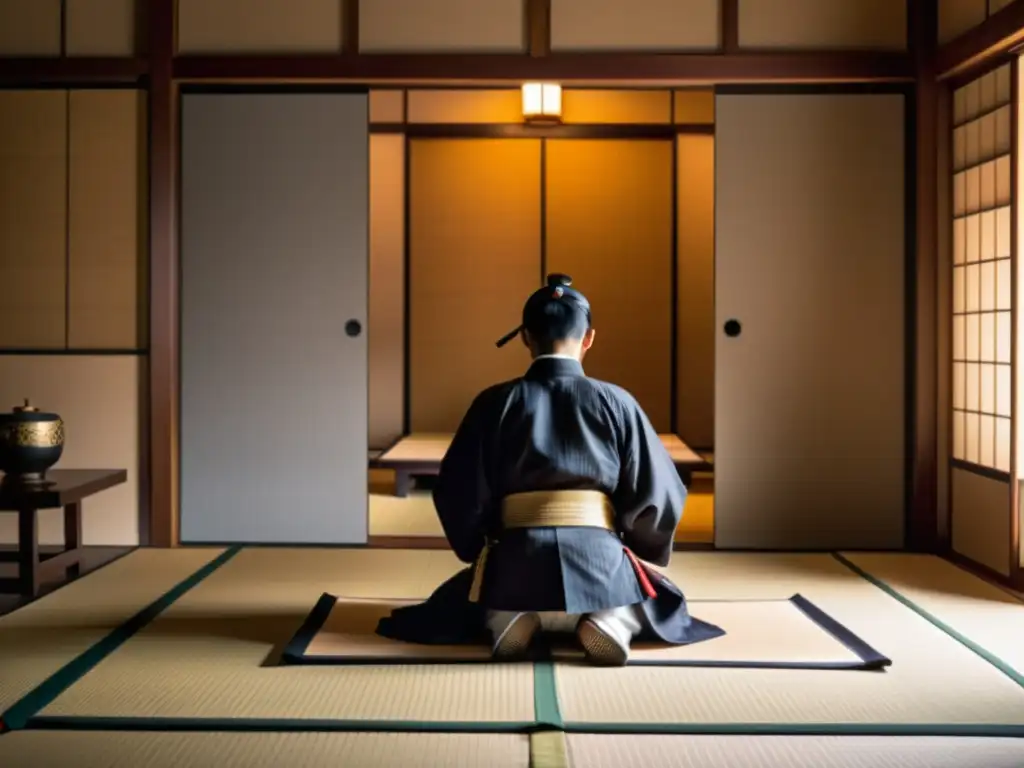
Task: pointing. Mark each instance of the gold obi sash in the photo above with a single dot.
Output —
(547, 509)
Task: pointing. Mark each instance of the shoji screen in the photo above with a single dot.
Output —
(982, 332)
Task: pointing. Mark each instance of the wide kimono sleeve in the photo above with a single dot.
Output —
(462, 494)
(650, 495)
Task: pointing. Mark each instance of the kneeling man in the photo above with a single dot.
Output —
(556, 488)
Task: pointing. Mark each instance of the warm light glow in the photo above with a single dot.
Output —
(542, 102)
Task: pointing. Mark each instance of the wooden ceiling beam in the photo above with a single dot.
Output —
(977, 48)
(668, 68)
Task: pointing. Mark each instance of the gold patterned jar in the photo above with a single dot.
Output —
(31, 442)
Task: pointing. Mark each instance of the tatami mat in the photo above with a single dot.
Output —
(933, 680)
(602, 751)
(412, 515)
(41, 637)
(980, 612)
(106, 749)
(213, 654)
(761, 633)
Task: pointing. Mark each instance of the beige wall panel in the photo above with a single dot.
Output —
(101, 28)
(107, 171)
(387, 106)
(820, 24)
(609, 226)
(259, 26)
(98, 398)
(468, 106)
(634, 25)
(30, 27)
(33, 159)
(474, 259)
(981, 519)
(694, 107)
(428, 26)
(958, 16)
(695, 317)
(599, 106)
(386, 326)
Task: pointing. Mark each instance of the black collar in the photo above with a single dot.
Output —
(553, 367)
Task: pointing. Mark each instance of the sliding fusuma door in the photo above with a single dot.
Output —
(609, 225)
(474, 258)
(810, 258)
(274, 207)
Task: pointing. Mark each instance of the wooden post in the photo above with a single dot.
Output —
(923, 295)
(163, 277)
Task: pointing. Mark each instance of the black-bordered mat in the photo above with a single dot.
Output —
(768, 634)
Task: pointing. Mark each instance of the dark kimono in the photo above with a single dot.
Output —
(555, 429)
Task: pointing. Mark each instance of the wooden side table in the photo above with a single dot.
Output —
(65, 488)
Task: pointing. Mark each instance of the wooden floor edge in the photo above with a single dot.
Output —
(986, 574)
(407, 542)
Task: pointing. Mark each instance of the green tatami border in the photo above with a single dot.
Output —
(545, 701)
(546, 710)
(242, 725)
(936, 622)
(800, 729)
(270, 724)
(22, 712)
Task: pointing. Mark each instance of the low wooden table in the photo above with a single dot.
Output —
(65, 488)
(419, 455)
